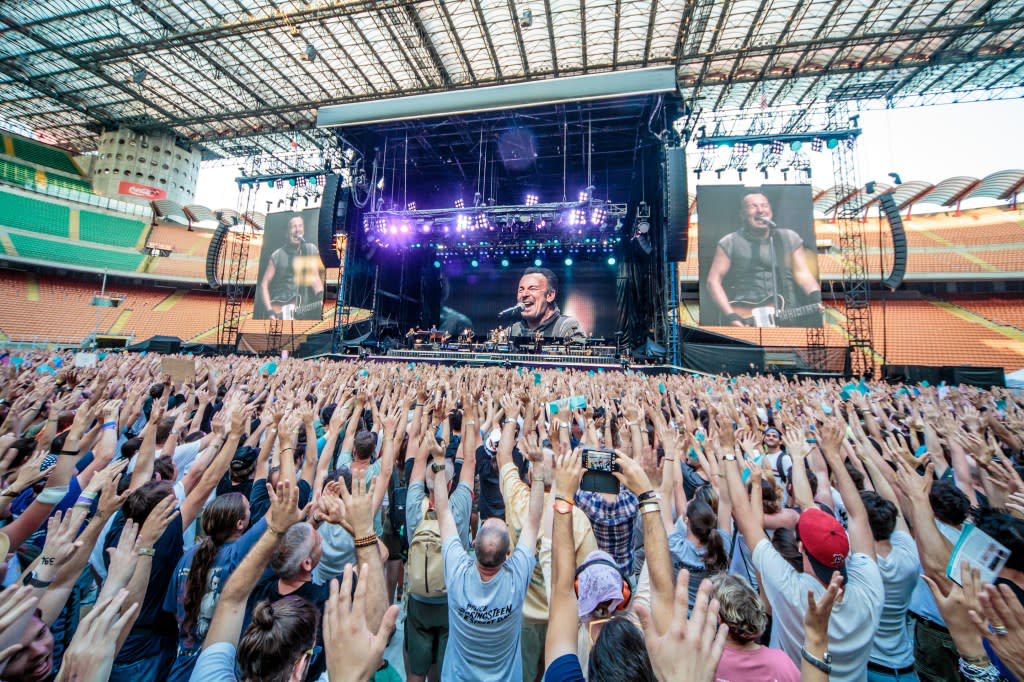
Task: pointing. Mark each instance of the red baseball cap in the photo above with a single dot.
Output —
(825, 543)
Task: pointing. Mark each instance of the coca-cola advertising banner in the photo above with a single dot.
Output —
(132, 189)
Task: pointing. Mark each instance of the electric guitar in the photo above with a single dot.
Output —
(771, 313)
(292, 309)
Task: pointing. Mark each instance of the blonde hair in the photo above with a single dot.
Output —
(740, 608)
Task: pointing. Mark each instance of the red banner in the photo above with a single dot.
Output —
(132, 189)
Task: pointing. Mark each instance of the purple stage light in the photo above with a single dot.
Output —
(459, 203)
(598, 215)
(584, 195)
(404, 228)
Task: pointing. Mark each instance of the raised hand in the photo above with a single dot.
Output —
(345, 621)
(568, 472)
(284, 509)
(700, 635)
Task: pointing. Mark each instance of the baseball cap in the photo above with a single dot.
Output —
(598, 583)
(825, 543)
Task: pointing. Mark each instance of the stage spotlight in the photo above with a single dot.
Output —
(532, 199)
(611, 261)
(538, 262)
(504, 262)
(480, 222)
(475, 263)
(411, 206)
(598, 215)
(459, 203)
(437, 264)
(568, 261)
(577, 216)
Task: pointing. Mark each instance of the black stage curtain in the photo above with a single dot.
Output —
(640, 273)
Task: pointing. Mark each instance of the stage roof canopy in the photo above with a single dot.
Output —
(240, 77)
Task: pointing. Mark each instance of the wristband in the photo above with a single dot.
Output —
(36, 582)
(366, 541)
(824, 666)
(70, 453)
(563, 498)
(109, 425)
(650, 495)
(509, 420)
(52, 495)
(147, 551)
(650, 508)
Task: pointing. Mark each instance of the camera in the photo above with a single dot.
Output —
(595, 459)
(599, 465)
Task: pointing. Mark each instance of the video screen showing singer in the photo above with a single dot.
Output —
(760, 275)
(292, 286)
(538, 288)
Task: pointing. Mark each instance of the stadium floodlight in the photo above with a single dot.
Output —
(532, 199)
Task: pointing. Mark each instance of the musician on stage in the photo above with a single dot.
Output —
(292, 286)
(538, 288)
(762, 264)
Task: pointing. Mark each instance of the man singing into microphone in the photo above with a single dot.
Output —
(292, 285)
(763, 267)
(538, 288)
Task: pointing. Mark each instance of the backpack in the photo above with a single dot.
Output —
(424, 570)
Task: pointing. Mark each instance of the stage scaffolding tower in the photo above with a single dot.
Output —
(234, 267)
(852, 254)
(775, 129)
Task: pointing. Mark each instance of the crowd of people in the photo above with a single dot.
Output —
(277, 521)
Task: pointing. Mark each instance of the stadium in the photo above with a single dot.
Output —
(602, 235)
(78, 204)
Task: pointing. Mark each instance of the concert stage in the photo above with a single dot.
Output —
(458, 358)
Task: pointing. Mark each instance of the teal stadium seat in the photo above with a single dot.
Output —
(75, 254)
(106, 229)
(33, 215)
(41, 155)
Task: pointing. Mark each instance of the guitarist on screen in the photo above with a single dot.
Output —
(292, 287)
(760, 270)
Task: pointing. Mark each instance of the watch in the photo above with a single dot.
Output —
(436, 468)
(729, 458)
(563, 506)
(824, 664)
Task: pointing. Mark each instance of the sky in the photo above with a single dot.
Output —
(920, 143)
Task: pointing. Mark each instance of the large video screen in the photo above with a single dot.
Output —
(757, 255)
(290, 283)
(473, 297)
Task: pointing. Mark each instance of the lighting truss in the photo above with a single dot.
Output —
(589, 225)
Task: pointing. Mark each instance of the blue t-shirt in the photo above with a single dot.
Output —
(224, 564)
(217, 662)
(484, 618)
(565, 668)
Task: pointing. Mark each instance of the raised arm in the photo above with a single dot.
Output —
(831, 439)
(563, 616)
(226, 625)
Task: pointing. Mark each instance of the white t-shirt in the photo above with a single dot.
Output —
(894, 642)
(852, 627)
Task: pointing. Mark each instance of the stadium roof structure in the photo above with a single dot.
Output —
(239, 77)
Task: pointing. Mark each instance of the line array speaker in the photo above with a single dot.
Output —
(899, 241)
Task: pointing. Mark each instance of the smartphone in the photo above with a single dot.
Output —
(599, 464)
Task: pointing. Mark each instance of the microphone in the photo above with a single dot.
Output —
(768, 221)
(510, 311)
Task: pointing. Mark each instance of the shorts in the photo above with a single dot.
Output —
(426, 635)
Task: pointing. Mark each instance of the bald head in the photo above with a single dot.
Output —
(492, 543)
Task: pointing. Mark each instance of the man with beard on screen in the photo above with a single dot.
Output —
(291, 287)
(760, 275)
(538, 288)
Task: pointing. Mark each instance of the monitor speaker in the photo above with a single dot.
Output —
(899, 241)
